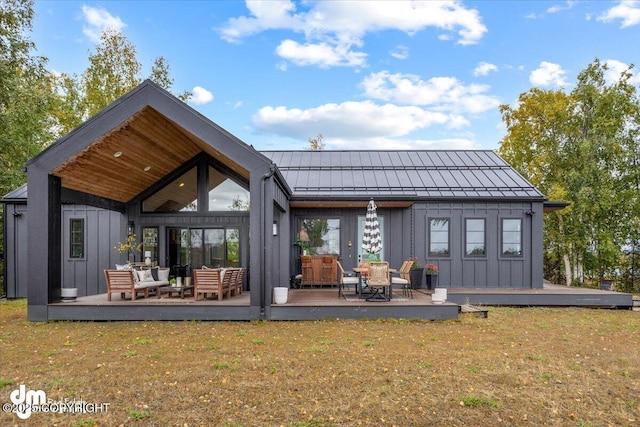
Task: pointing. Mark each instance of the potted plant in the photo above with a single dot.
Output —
(416, 274)
(302, 240)
(129, 246)
(432, 275)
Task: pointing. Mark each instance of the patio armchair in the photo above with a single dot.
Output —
(404, 278)
(346, 280)
(208, 281)
(378, 281)
(240, 280)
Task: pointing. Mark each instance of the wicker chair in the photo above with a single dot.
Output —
(379, 282)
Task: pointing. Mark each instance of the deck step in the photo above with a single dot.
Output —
(468, 308)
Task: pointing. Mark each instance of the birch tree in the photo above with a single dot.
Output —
(582, 148)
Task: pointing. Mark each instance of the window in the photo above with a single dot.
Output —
(212, 247)
(512, 237)
(76, 238)
(225, 194)
(475, 237)
(439, 237)
(319, 236)
(181, 195)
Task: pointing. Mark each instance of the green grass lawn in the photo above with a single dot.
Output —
(533, 367)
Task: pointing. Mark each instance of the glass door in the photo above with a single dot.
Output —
(211, 247)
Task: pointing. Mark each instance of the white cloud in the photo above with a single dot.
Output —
(615, 69)
(349, 120)
(402, 144)
(320, 54)
(548, 74)
(332, 29)
(200, 96)
(484, 68)
(235, 105)
(441, 93)
(559, 8)
(627, 11)
(400, 52)
(98, 20)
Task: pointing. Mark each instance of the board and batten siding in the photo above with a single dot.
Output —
(493, 270)
(102, 232)
(16, 262)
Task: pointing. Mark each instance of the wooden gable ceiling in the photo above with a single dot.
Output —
(133, 156)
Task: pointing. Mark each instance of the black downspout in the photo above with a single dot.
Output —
(263, 242)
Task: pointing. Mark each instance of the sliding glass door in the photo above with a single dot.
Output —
(211, 247)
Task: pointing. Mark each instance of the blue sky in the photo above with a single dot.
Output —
(365, 74)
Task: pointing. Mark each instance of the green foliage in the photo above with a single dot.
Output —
(113, 71)
(582, 148)
(476, 402)
(139, 415)
(25, 100)
(5, 383)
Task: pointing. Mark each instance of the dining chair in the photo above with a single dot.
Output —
(378, 281)
(345, 280)
(404, 278)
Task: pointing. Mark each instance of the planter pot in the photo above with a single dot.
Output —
(69, 294)
(439, 295)
(416, 275)
(280, 295)
(432, 281)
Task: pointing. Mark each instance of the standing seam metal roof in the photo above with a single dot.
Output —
(409, 174)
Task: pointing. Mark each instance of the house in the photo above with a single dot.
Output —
(194, 195)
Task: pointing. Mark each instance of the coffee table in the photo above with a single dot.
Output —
(170, 290)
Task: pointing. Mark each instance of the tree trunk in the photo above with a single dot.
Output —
(567, 269)
(565, 257)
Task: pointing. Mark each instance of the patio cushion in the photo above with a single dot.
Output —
(163, 274)
(144, 276)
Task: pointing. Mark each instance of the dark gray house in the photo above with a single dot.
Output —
(196, 195)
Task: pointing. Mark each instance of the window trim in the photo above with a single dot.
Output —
(502, 253)
(484, 237)
(82, 241)
(429, 238)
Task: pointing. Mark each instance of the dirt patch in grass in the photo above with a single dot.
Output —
(537, 366)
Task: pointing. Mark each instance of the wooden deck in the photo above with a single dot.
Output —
(316, 304)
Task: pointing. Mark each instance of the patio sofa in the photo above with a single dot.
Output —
(127, 280)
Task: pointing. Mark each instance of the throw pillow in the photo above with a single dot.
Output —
(154, 273)
(144, 276)
(163, 274)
